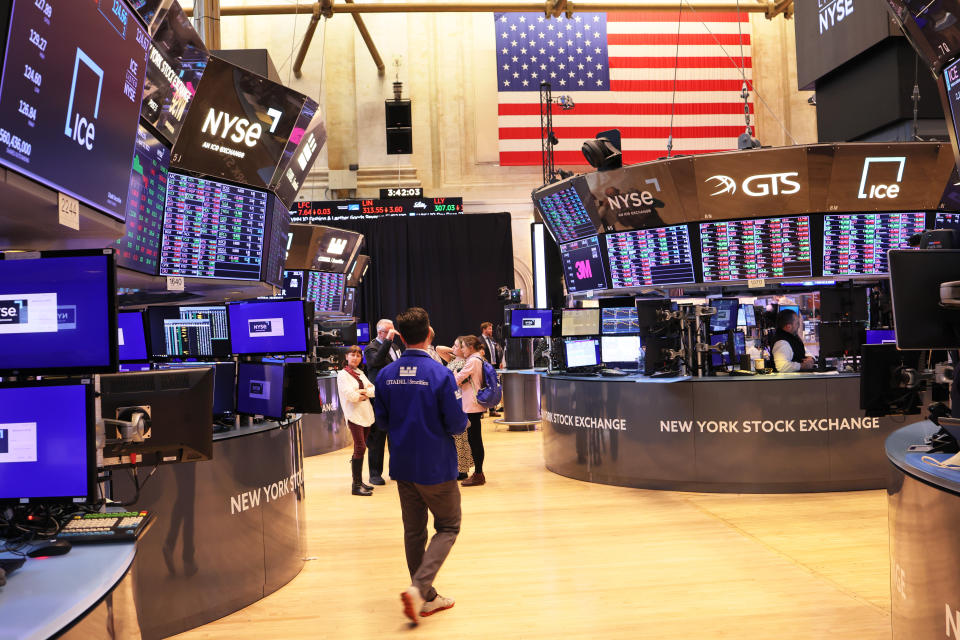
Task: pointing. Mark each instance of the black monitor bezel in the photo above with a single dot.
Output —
(548, 328)
(112, 336)
(146, 336)
(91, 438)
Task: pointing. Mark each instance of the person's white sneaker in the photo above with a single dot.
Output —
(439, 603)
(412, 603)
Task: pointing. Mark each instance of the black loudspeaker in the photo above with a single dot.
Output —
(399, 140)
(399, 132)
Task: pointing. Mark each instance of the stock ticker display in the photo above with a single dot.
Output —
(325, 290)
(566, 215)
(321, 212)
(139, 248)
(619, 321)
(857, 244)
(947, 221)
(650, 257)
(583, 265)
(758, 248)
(212, 229)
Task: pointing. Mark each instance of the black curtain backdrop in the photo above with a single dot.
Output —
(451, 266)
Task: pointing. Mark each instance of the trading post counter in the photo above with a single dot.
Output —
(327, 431)
(924, 517)
(786, 433)
(228, 531)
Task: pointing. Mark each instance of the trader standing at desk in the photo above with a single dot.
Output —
(789, 355)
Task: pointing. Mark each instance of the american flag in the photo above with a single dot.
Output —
(618, 68)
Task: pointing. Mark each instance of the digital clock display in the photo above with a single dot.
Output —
(321, 212)
(401, 192)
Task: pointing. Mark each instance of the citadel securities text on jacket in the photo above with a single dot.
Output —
(417, 402)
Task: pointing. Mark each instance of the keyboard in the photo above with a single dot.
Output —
(616, 373)
(742, 372)
(118, 526)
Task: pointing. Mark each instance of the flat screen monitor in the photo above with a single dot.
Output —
(582, 353)
(650, 257)
(620, 321)
(277, 242)
(363, 332)
(277, 327)
(308, 137)
(189, 331)
(260, 390)
(301, 390)
(726, 317)
(739, 343)
(945, 220)
(349, 301)
(749, 315)
(840, 339)
(47, 442)
(739, 250)
(931, 27)
(582, 265)
(622, 351)
(919, 320)
(531, 323)
(174, 67)
(126, 367)
(580, 322)
(881, 336)
(131, 336)
(70, 98)
(856, 244)
(139, 248)
(842, 304)
(294, 283)
(325, 290)
(723, 358)
(566, 215)
(336, 332)
(790, 307)
(237, 126)
(58, 312)
(212, 229)
(176, 406)
(224, 383)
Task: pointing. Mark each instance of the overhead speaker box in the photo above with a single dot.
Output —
(399, 132)
(399, 141)
(398, 113)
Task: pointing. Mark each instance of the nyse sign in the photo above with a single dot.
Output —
(832, 12)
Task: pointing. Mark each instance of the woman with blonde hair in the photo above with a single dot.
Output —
(455, 361)
(470, 379)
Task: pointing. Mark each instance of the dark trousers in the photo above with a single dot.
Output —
(376, 442)
(443, 501)
(360, 435)
(475, 438)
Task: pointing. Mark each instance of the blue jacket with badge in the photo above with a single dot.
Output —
(418, 404)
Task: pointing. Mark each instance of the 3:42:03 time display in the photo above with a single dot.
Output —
(402, 192)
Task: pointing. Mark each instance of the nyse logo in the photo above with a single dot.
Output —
(408, 372)
(765, 184)
(886, 189)
(265, 327)
(337, 246)
(260, 389)
(219, 123)
(834, 11)
(79, 128)
(531, 323)
(633, 199)
(13, 311)
(261, 326)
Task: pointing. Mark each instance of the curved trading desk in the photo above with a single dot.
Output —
(761, 434)
(924, 513)
(327, 431)
(229, 531)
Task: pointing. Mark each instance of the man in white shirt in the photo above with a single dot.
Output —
(789, 354)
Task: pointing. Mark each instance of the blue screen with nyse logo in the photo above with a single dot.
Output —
(271, 327)
(55, 314)
(260, 389)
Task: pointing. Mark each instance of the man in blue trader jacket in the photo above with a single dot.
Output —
(418, 404)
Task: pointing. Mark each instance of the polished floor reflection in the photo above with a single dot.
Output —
(542, 556)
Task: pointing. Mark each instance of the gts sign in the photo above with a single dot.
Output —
(758, 186)
(237, 129)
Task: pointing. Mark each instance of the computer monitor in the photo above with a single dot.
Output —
(126, 367)
(47, 442)
(177, 406)
(739, 344)
(580, 322)
(840, 339)
(843, 303)
(363, 332)
(336, 332)
(188, 331)
(224, 383)
(720, 359)
(749, 315)
(260, 390)
(650, 315)
(131, 336)
(581, 353)
(58, 312)
(915, 277)
(301, 391)
(275, 327)
(789, 307)
(620, 351)
(620, 321)
(726, 317)
(531, 323)
(881, 336)
(330, 358)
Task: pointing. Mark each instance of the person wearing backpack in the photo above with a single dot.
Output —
(471, 381)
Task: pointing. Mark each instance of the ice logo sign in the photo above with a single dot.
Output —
(79, 128)
(265, 327)
(886, 178)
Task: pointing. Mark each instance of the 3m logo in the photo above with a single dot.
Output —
(408, 372)
(337, 246)
(265, 327)
(764, 184)
(260, 389)
(13, 311)
(80, 128)
(531, 323)
(883, 187)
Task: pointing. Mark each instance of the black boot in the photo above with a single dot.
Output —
(362, 483)
(358, 489)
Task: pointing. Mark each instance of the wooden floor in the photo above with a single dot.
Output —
(542, 556)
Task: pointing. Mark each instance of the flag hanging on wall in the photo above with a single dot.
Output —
(618, 68)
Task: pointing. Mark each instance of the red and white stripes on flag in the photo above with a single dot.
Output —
(642, 48)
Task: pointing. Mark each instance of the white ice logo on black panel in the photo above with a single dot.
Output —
(78, 127)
